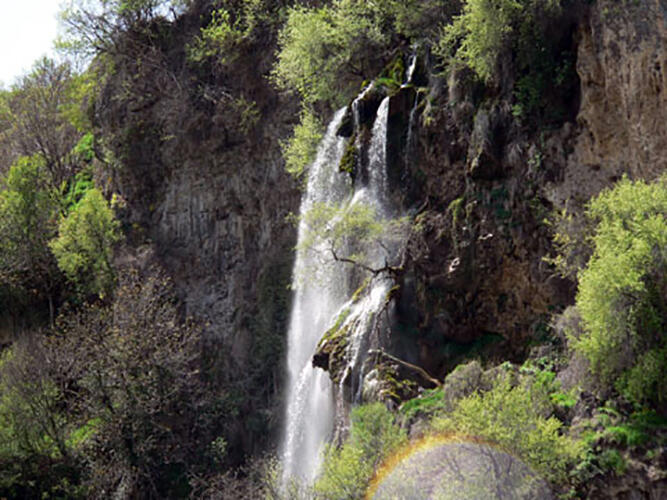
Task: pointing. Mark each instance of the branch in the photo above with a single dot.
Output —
(393, 270)
(410, 366)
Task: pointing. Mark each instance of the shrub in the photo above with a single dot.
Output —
(510, 417)
(218, 39)
(306, 64)
(36, 457)
(484, 29)
(300, 150)
(347, 471)
(83, 247)
(621, 295)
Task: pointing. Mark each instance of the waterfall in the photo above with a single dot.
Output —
(321, 298)
(310, 407)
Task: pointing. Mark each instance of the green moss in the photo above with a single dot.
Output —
(331, 350)
(395, 70)
(427, 404)
(393, 291)
(356, 296)
(350, 159)
(393, 386)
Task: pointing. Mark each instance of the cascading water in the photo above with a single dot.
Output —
(409, 144)
(321, 298)
(310, 401)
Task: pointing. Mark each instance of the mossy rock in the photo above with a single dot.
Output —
(350, 159)
(330, 354)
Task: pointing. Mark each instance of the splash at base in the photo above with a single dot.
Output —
(450, 467)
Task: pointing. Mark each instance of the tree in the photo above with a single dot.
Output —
(28, 211)
(84, 245)
(347, 470)
(39, 113)
(38, 435)
(353, 233)
(623, 290)
(140, 380)
(94, 27)
(326, 52)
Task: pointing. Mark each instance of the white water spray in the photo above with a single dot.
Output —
(320, 299)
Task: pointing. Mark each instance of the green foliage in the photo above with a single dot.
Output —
(28, 209)
(326, 52)
(79, 185)
(350, 158)
(83, 247)
(428, 404)
(347, 470)
(231, 24)
(84, 149)
(621, 295)
(91, 27)
(141, 410)
(347, 231)
(218, 39)
(308, 60)
(42, 115)
(482, 32)
(613, 460)
(300, 150)
(36, 457)
(510, 417)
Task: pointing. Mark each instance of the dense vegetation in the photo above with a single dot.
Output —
(108, 389)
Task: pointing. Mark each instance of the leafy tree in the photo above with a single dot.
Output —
(326, 52)
(488, 28)
(42, 113)
(353, 233)
(622, 290)
(28, 211)
(140, 379)
(36, 456)
(231, 24)
(84, 245)
(95, 27)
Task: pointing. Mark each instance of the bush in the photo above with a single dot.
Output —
(510, 417)
(36, 457)
(301, 149)
(28, 210)
(347, 471)
(622, 291)
(532, 37)
(85, 242)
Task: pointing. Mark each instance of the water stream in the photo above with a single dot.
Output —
(320, 299)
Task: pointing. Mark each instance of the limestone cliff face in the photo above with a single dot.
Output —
(622, 65)
(198, 163)
(476, 279)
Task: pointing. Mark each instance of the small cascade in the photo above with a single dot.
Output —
(377, 158)
(409, 142)
(412, 67)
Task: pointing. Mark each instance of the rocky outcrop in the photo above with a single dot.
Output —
(198, 163)
(476, 281)
(622, 65)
